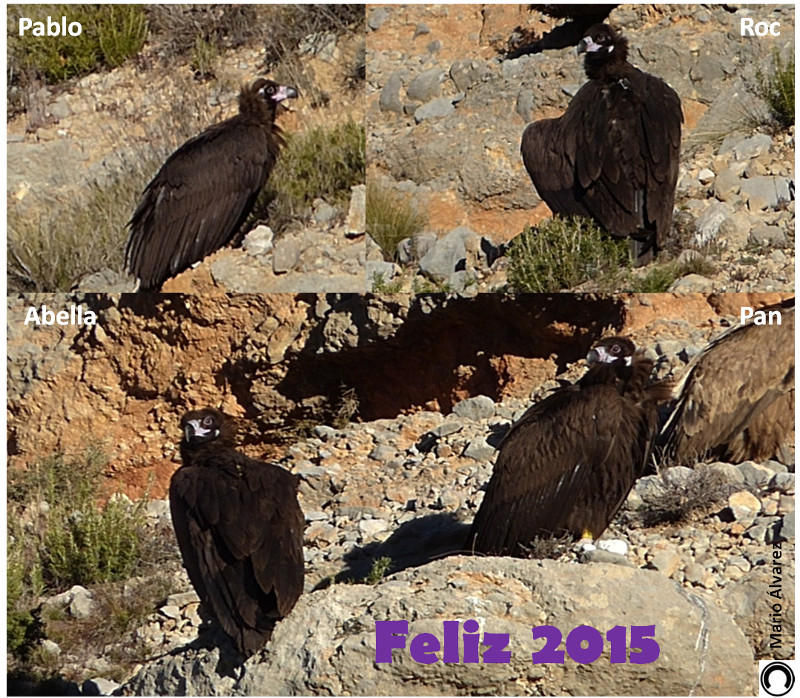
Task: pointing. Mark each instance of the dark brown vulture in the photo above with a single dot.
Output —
(567, 465)
(613, 155)
(239, 529)
(736, 399)
(206, 189)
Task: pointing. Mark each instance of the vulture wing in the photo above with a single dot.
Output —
(240, 532)
(736, 400)
(566, 466)
(198, 200)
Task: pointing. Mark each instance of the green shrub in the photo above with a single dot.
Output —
(111, 34)
(777, 89)
(561, 253)
(68, 538)
(391, 218)
(321, 163)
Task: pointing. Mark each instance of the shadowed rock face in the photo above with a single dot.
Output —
(336, 627)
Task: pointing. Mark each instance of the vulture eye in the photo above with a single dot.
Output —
(616, 348)
(208, 421)
(270, 90)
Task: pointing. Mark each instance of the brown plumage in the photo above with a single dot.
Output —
(567, 465)
(239, 528)
(736, 399)
(613, 155)
(206, 189)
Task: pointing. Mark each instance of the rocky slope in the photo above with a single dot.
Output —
(403, 481)
(446, 115)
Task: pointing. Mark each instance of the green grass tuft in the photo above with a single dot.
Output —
(391, 218)
(321, 163)
(111, 34)
(777, 89)
(380, 566)
(561, 253)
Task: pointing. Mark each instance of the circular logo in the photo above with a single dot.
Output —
(777, 679)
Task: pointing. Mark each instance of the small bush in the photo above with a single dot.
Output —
(380, 566)
(561, 253)
(321, 163)
(777, 89)
(391, 218)
(656, 280)
(74, 541)
(111, 34)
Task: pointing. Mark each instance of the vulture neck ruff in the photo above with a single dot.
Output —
(608, 63)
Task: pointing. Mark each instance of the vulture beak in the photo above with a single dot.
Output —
(587, 45)
(284, 92)
(194, 429)
(601, 355)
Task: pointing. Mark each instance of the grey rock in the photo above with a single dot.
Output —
(475, 408)
(465, 72)
(726, 185)
(356, 222)
(751, 147)
(427, 85)
(50, 647)
(259, 241)
(786, 527)
(182, 599)
(380, 270)
(98, 686)
(83, 604)
(747, 602)
(449, 426)
(710, 221)
(377, 17)
(783, 482)
(606, 557)
(324, 213)
(727, 473)
(328, 643)
(286, 255)
(435, 109)
(478, 449)
(389, 99)
(763, 234)
(770, 189)
(754, 475)
(444, 258)
(420, 29)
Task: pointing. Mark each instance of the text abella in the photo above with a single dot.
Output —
(76, 315)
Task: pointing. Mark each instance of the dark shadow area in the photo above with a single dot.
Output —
(447, 351)
(413, 544)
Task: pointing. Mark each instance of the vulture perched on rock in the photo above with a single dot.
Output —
(736, 399)
(239, 529)
(567, 465)
(206, 189)
(613, 155)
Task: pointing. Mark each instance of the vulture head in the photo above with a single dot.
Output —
(602, 44)
(261, 99)
(208, 425)
(614, 351)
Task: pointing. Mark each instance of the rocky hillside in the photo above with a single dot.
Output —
(447, 111)
(426, 397)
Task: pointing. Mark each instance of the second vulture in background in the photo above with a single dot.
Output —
(567, 465)
(239, 529)
(613, 155)
(736, 399)
(206, 189)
